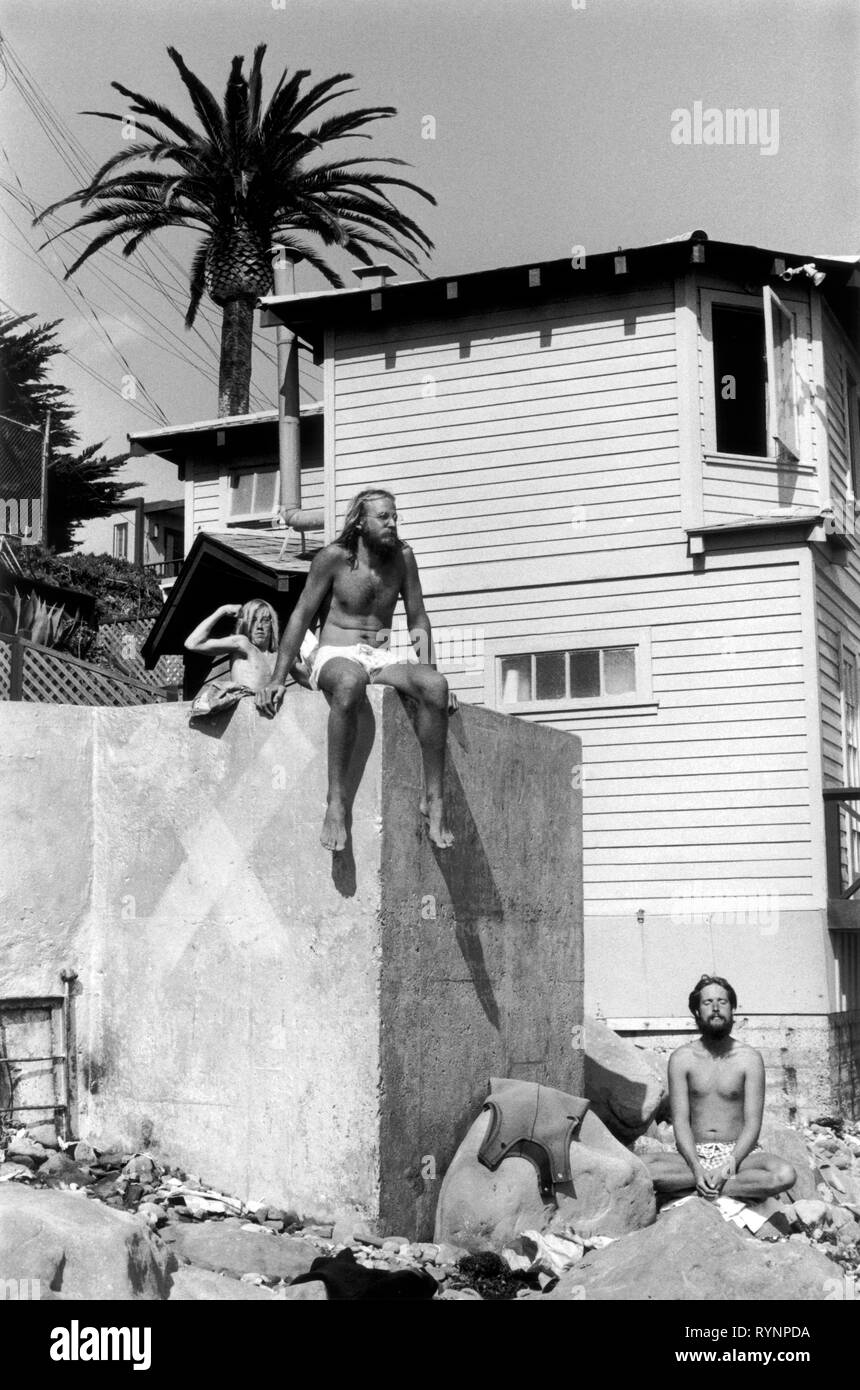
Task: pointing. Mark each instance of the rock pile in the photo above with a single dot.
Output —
(223, 1248)
(172, 1236)
(823, 1208)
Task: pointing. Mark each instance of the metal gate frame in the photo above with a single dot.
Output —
(63, 1062)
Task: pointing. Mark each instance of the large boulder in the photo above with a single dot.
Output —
(626, 1085)
(692, 1255)
(610, 1193)
(483, 1210)
(225, 1248)
(788, 1144)
(78, 1248)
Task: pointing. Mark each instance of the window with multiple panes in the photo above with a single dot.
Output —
(573, 674)
(253, 492)
(120, 540)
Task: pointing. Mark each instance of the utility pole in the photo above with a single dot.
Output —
(43, 530)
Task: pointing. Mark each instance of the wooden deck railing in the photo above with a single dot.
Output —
(842, 841)
(32, 672)
(164, 569)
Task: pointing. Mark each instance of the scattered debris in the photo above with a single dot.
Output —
(267, 1246)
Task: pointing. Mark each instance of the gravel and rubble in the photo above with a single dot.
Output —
(221, 1242)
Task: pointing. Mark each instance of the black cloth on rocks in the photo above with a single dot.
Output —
(344, 1277)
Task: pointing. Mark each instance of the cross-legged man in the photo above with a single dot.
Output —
(716, 1093)
(353, 588)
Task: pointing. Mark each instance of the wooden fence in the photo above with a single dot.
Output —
(31, 672)
(119, 645)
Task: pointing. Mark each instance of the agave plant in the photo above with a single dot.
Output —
(29, 616)
(246, 180)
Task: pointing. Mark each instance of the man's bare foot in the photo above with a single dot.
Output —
(433, 810)
(333, 835)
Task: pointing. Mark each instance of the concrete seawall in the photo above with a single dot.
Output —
(288, 1024)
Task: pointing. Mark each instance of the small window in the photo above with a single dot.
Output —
(253, 492)
(120, 541)
(587, 674)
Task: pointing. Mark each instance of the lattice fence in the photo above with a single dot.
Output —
(120, 644)
(5, 669)
(53, 677)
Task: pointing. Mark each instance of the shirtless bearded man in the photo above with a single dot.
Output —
(353, 586)
(716, 1092)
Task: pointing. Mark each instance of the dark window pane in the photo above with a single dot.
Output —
(740, 380)
(584, 674)
(516, 679)
(549, 676)
(619, 670)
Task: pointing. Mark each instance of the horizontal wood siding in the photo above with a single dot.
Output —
(838, 621)
(709, 789)
(205, 494)
(525, 433)
(733, 490)
(836, 615)
(312, 487)
(838, 440)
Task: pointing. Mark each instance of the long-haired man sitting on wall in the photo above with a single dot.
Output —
(352, 588)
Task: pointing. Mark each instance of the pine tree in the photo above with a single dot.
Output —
(81, 485)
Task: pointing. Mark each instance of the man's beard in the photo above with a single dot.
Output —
(381, 545)
(715, 1028)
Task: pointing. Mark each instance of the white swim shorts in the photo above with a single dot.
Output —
(370, 659)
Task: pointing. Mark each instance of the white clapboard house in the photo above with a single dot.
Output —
(630, 481)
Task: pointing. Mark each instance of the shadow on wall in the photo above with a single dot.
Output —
(472, 888)
(465, 867)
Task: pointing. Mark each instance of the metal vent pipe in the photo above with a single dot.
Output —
(289, 438)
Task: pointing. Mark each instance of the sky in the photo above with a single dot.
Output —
(551, 128)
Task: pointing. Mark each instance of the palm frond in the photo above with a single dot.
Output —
(255, 87)
(197, 282)
(204, 103)
(236, 109)
(156, 111)
(314, 98)
(307, 253)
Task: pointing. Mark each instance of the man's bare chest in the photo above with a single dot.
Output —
(724, 1077)
(366, 591)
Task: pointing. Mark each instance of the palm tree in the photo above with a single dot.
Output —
(247, 181)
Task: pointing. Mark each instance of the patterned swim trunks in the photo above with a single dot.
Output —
(713, 1156)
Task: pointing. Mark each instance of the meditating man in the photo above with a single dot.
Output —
(716, 1092)
(353, 587)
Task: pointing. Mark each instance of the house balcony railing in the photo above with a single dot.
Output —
(842, 841)
(164, 569)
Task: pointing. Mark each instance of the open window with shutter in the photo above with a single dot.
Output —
(781, 385)
(751, 399)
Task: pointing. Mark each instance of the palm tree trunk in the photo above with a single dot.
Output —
(234, 377)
